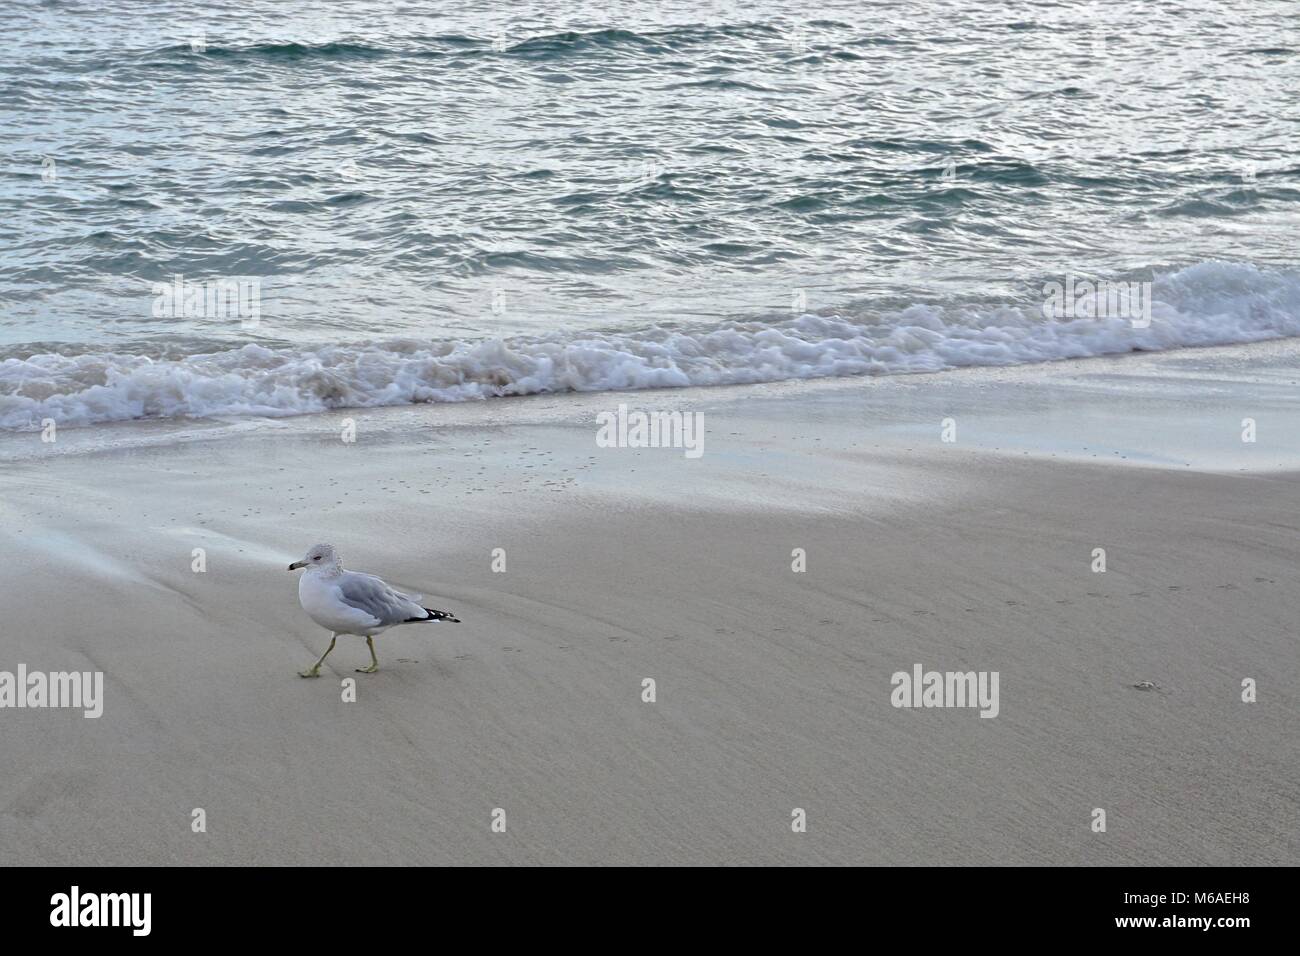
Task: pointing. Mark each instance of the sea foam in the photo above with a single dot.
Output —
(1205, 304)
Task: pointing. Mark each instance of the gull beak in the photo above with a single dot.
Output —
(297, 564)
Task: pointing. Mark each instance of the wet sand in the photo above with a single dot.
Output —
(772, 685)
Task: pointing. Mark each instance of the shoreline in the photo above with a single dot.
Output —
(773, 685)
(1259, 374)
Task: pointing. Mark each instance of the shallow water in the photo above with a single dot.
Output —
(439, 202)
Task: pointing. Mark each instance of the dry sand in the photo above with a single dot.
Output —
(773, 687)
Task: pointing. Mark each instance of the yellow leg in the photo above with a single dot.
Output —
(315, 669)
(374, 661)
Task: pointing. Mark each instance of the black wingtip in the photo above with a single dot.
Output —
(441, 616)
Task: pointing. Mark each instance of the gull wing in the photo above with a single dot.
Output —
(371, 595)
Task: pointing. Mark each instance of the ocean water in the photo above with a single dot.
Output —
(383, 203)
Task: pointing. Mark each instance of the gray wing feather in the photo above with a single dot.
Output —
(367, 593)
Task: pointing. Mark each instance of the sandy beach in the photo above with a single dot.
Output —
(772, 686)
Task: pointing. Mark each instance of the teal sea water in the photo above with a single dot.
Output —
(385, 202)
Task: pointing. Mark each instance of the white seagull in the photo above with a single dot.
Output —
(349, 602)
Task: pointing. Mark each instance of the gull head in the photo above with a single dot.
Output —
(318, 556)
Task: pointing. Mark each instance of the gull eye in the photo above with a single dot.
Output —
(316, 557)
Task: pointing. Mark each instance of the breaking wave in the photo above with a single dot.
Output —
(1207, 304)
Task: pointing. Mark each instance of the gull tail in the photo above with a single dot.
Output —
(438, 616)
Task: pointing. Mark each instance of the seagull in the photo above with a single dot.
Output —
(349, 602)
